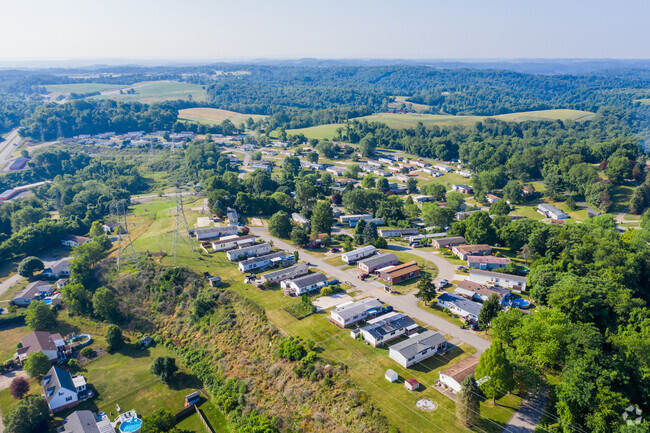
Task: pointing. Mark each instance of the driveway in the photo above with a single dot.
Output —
(407, 304)
(528, 415)
(5, 379)
(9, 283)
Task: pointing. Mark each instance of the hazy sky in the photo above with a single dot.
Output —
(215, 29)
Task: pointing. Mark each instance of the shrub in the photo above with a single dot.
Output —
(37, 364)
(18, 388)
(114, 337)
(291, 349)
(164, 367)
(87, 352)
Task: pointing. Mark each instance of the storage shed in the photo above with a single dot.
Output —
(391, 375)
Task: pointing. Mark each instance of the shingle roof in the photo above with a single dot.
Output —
(34, 289)
(355, 308)
(308, 280)
(56, 379)
(263, 258)
(39, 340)
(405, 268)
(388, 325)
(462, 369)
(464, 249)
(286, 270)
(481, 289)
(249, 248)
(473, 308)
(378, 260)
(81, 421)
(416, 344)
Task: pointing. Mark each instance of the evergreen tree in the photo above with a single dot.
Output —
(468, 408)
(369, 233)
(489, 310)
(426, 291)
(322, 218)
(114, 337)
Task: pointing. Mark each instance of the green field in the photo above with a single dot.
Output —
(215, 116)
(410, 120)
(66, 89)
(399, 100)
(157, 91)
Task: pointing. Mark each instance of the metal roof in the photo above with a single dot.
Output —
(418, 343)
(388, 325)
(497, 275)
(350, 310)
(309, 279)
(378, 260)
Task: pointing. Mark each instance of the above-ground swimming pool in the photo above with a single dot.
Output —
(131, 425)
(47, 301)
(520, 303)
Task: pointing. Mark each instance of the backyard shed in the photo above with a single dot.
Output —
(391, 375)
(411, 384)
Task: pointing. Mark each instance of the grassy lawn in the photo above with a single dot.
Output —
(158, 91)
(215, 116)
(9, 337)
(66, 89)
(621, 196)
(214, 416)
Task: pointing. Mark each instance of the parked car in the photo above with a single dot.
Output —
(364, 275)
(442, 284)
(334, 250)
(334, 281)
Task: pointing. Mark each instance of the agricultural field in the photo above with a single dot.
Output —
(66, 89)
(402, 100)
(156, 91)
(215, 116)
(410, 120)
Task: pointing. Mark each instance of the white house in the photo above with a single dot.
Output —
(386, 328)
(465, 189)
(264, 261)
(294, 271)
(72, 241)
(358, 254)
(60, 270)
(335, 171)
(304, 284)
(251, 251)
(396, 233)
(371, 264)
(354, 219)
(231, 242)
(233, 218)
(464, 173)
(453, 376)
(51, 345)
(444, 168)
(211, 233)
(299, 219)
(353, 312)
(460, 306)
(418, 348)
(59, 390)
(514, 282)
(551, 212)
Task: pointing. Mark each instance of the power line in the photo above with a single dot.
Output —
(180, 212)
(117, 209)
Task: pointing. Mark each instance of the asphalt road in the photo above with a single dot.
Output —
(407, 304)
(528, 415)
(7, 146)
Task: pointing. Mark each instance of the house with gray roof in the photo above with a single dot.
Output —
(460, 306)
(515, 282)
(304, 284)
(371, 264)
(550, 211)
(59, 390)
(387, 328)
(250, 251)
(265, 261)
(212, 233)
(85, 421)
(354, 312)
(418, 348)
(33, 292)
(297, 270)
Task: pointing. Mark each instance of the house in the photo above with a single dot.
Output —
(59, 390)
(231, 242)
(448, 242)
(305, 284)
(514, 282)
(214, 281)
(212, 233)
(18, 164)
(491, 198)
(371, 264)
(85, 421)
(480, 293)
(264, 261)
(411, 384)
(335, 171)
(464, 173)
(465, 189)
(233, 218)
(418, 348)
(60, 270)
(376, 221)
(382, 173)
(386, 328)
(343, 182)
(422, 198)
(391, 376)
(487, 262)
(385, 160)
(33, 292)
(461, 215)
(352, 220)
(373, 163)
(361, 253)
(246, 252)
(551, 212)
(72, 241)
(192, 398)
(453, 376)
(464, 251)
(420, 163)
(366, 167)
(61, 283)
(460, 306)
(443, 168)
(51, 345)
(299, 219)
(397, 233)
(354, 312)
(402, 178)
(294, 271)
(397, 274)
(110, 226)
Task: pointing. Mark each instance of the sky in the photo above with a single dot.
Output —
(289, 29)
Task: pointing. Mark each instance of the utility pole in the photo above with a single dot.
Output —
(117, 209)
(180, 213)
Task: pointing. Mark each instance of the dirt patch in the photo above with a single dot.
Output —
(426, 405)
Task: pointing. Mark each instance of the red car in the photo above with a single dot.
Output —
(364, 275)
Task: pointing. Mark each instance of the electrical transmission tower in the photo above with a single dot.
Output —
(117, 209)
(180, 213)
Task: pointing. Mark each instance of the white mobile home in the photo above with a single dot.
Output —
(386, 328)
(246, 252)
(212, 233)
(294, 271)
(361, 253)
(354, 312)
(264, 261)
(514, 282)
(231, 242)
(418, 348)
(304, 284)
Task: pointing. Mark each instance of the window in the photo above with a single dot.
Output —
(68, 398)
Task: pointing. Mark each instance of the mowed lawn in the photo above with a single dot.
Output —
(410, 120)
(215, 116)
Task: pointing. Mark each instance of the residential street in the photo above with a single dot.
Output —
(7, 146)
(9, 283)
(407, 304)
